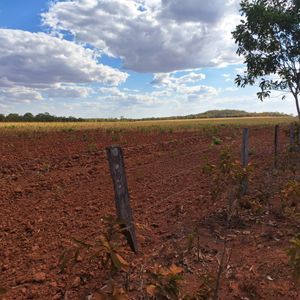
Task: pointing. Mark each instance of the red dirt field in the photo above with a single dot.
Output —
(56, 187)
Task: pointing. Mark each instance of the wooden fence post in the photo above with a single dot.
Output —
(276, 133)
(298, 136)
(245, 158)
(124, 212)
(292, 137)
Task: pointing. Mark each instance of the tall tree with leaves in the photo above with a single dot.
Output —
(269, 39)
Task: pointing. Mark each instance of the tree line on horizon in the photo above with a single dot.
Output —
(41, 117)
(46, 117)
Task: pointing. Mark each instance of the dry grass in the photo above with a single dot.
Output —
(163, 125)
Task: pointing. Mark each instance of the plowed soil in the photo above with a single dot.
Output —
(56, 187)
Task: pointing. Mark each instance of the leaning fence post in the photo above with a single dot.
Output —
(292, 137)
(298, 136)
(245, 158)
(124, 212)
(276, 146)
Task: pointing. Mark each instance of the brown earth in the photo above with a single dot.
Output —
(56, 187)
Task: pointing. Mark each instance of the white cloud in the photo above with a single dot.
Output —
(159, 104)
(240, 70)
(186, 86)
(227, 77)
(33, 64)
(113, 91)
(150, 35)
(169, 80)
(209, 12)
(19, 94)
(68, 91)
(173, 82)
(171, 89)
(128, 97)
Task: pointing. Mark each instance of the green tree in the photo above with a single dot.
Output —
(45, 117)
(28, 117)
(13, 118)
(269, 39)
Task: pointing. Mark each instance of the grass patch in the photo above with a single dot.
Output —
(163, 126)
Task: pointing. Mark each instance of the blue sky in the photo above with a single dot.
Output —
(110, 58)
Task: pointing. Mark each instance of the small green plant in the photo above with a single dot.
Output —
(164, 283)
(144, 129)
(228, 176)
(290, 198)
(294, 256)
(10, 127)
(208, 168)
(255, 204)
(193, 243)
(68, 129)
(92, 147)
(46, 168)
(162, 129)
(106, 247)
(205, 290)
(228, 171)
(289, 162)
(252, 152)
(85, 137)
(111, 291)
(215, 129)
(191, 238)
(116, 137)
(216, 141)
(295, 146)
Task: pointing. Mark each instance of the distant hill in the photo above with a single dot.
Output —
(231, 113)
(224, 113)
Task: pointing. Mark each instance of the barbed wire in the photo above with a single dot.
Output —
(164, 200)
(101, 154)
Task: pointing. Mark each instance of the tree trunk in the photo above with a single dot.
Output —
(297, 105)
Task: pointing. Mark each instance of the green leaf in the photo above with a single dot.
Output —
(115, 260)
(268, 38)
(81, 243)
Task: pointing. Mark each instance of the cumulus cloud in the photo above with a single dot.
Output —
(187, 84)
(126, 96)
(36, 63)
(208, 12)
(227, 77)
(118, 102)
(19, 94)
(150, 35)
(114, 91)
(169, 80)
(68, 91)
(170, 89)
